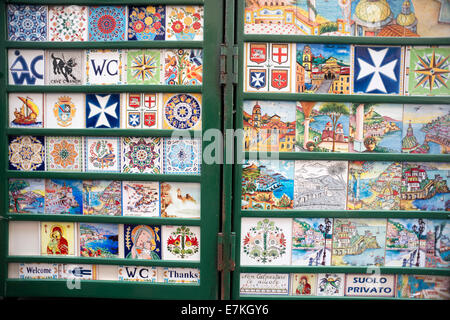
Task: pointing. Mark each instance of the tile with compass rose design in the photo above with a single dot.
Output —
(427, 71)
(143, 67)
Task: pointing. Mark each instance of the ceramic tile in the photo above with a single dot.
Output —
(25, 110)
(140, 274)
(142, 242)
(68, 23)
(38, 271)
(26, 153)
(146, 23)
(77, 271)
(264, 284)
(102, 197)
(103, 154)
(376, 285)
(141, 155)
(180, 200)
(303, 284)
(182, 111)
(262, 18)
(141, 111)
(182, 156)
(181, 275)
(63, 196)
(26, 195)
(99, 240)
(57, 238)
(107, 23)
(430, 287)
(65, 110)
(184, 23)
(140, 198)
(64, 153)
(438, 238)
(26, 67)
(103, 110)
(144, 67)
(181, 243)
(65, 67)
(183, 67)
(104, 67)
(27, 22)
(330, 284)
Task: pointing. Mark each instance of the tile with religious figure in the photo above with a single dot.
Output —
(26, 153)
(57, 238)
(107, 23)
(303, 284)
(65, 110)
(146, 23)
(64, 153)
(26, 110)
(103, 154)
(26, 67)
(181, 243)
(142, 242)
(180, 200)
(27, 22)
(68, 23)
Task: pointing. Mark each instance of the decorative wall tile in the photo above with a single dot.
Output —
(182, 111)
(182, 156)
(181, 243)
(57, 238)
(107, 23)
(183, 67)
(140, 198)
(99, 240)
(422, 286)
(63, 196)
(438, 238)
(64, 153)
(143, 67)
(65, 110)
(180, 200)
(65, 67)
(330, 284)
(26, 195)
(26, 67)
(184, 23)
(103, 154)
(102, 197)
(141, 155)
(181, 275)
(142, 242)
(27, 22)
(141, 111)
(104, 66)
(134, 273)
(264, 284)
(103, 110)
(146, 23)
(26, 153)
(25, 110)
(304, 284)
(68, 23)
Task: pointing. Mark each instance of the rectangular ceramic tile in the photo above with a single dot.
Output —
(26, 153)
(320, 185)
(278, 18)
(269, 125)
(376, 127)
(144, 66)
(377, 69)
(102, 197)
(77, 271)
(405, 243)
(425, 186)
(311, 241)
(181, 275)
(323, 126)
(358, 242)
(38, 271)
(103, 110)
(266, 241)
(267, 185)
(140, 198)
(181, 243)
(180, 200)
(103, 154)
(107, 23)
(65, 110)
(146, 23)
(27, 22)
(141, 111)
(184, 23)
(303, 284)
(141, 155)
(182, 156)
(104, 66)
(140, 274)
(426, 129)
(427, 71)
(68, 23)
(64, 153)
(26, 67)
(142, 242)
(57, 238)
(63, 196)
(438, 242)
(423, 287)
(264, 284)
(26, 110)
(374, 185)
(65, 67)
(99, 240)
(183, 67)
(330, 284)
(322, 68)
(182, 111)
(363, 285)
(26, 195)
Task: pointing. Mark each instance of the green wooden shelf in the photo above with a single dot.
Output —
(105, 88)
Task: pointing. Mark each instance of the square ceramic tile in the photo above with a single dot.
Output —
(26, 67)
(303, 284)
(102, 197)
(99, 240)
(182, 111)
(26, 195)
(140, 198)
(102, 154)
(181, 243)
(142, 242)
(26, 110)
(182, 156)
(146, 23)
(104, 66)
(26, 153)
(57, 238)
(68, 23)
(377, 70)
(266, 241)
(103, 110)
(144, 66)
(65, 67)
(64, 153)
(184, 23)
(27, 22)
(65, 110)
(180, 200)
(141, 110)
(107, 23)
(63, 196)
(183, 67)
(141, 155)
(330, 284)
(78, 271)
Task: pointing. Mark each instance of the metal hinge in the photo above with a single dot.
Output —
(225, 258)
(224, 54)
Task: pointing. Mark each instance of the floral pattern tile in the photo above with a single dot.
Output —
(182, 156)
(26, 153)
(27, 22)
(64, 153)
(146, 23)
(107, 23)
(141, 155)
(183, 67)
(102, 154)
(68, 23)
(184, 23)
